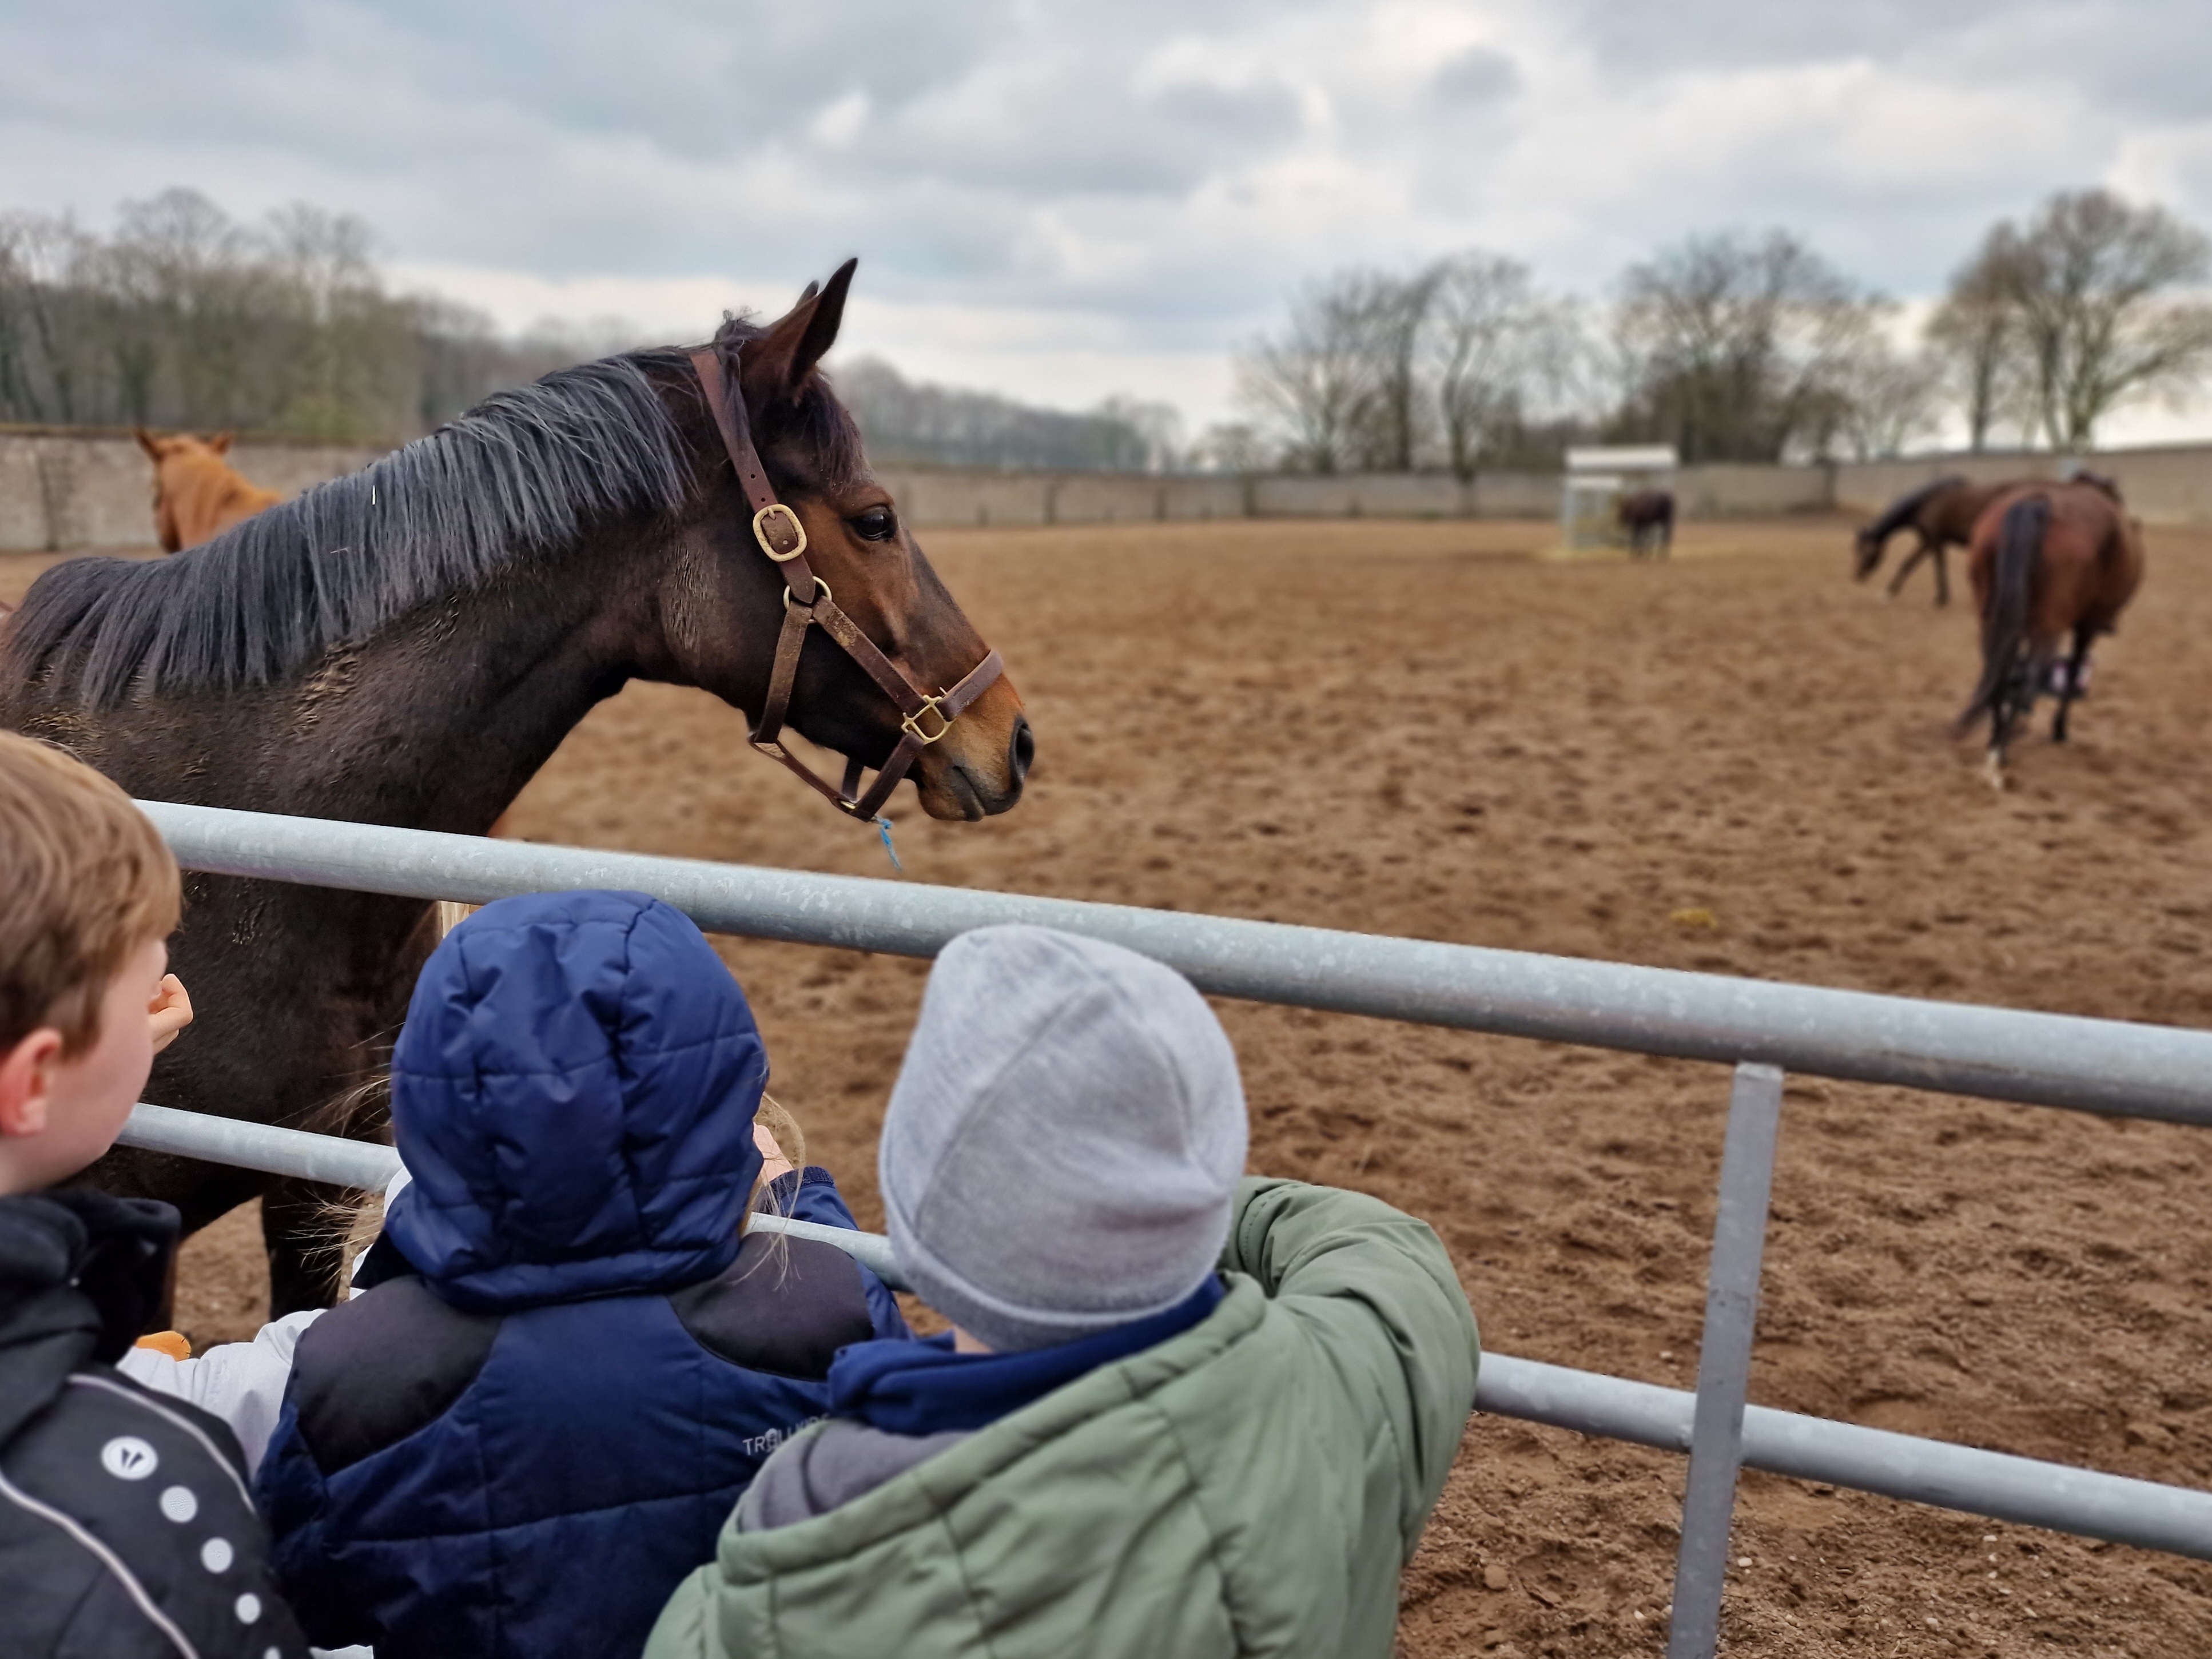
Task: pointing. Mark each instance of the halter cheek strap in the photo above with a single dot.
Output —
(923, 718)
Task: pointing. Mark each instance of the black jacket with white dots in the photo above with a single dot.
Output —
(125, 1528)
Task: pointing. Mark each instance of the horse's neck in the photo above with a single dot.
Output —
(439, 721)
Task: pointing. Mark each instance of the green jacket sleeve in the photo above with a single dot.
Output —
(685, 1629)
(1375, 1289)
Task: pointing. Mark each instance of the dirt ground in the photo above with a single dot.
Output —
(1735, 763)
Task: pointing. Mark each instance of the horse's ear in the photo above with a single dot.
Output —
(777, 365)
(221, 442)
(148, 442)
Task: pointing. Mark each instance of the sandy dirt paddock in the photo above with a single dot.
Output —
(1735, 763)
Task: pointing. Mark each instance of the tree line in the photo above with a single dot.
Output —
(183, 318)
(906, 422)
(1733, 348)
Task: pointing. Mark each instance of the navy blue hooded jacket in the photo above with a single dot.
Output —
(518, 1444)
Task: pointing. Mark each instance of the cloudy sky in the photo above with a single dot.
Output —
(1061, 201)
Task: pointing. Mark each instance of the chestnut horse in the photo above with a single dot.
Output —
(407, 645)
(198, 494)
(1940, 514)
(2046, 559)
(1648, 516)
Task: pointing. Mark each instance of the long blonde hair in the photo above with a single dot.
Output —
(790, 1141)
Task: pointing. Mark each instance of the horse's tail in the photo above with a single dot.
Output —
(2020, 545)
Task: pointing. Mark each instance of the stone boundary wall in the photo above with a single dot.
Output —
(2170, 484)
(61, 491)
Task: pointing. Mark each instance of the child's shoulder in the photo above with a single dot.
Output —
(785, 1306)
(125, 1509)
(379, 1367)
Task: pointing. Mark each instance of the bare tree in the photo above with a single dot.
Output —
(908, 421)
(44, 372)
(185, 318)
(1493, 342)
(1976, 335)
(1884, 399)
(1231, 446)
(1316, 380)
(2096, 289)
(1732, 346)
(1157, 425)
(1393, 315)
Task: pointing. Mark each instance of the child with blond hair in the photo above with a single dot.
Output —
(126, 1527)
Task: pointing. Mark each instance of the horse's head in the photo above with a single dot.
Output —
(176, 456)
(1866, 553)
(726, 601)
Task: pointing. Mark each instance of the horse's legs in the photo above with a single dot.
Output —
(1942, 574)
(1905, 569)
(2004, 710)
(301, 1231)
(2074, 664)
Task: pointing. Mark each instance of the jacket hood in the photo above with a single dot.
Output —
(81, 1272)
(573, 1093)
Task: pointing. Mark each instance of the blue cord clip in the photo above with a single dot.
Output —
(883, 828)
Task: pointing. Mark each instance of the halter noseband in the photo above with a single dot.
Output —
(923, 718)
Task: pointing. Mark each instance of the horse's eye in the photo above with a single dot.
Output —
(877, 524)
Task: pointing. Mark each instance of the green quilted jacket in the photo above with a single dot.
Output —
(1252, 1485)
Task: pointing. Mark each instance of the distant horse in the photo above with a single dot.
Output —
(2045, 558)
(197, 495)
(1940, 514)
(1648, 516)
(407, 645)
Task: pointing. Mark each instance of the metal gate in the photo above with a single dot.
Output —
(1762, 1029)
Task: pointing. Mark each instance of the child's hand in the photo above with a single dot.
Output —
(169, 1013)
(773, 1162)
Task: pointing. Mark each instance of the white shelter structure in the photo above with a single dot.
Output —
(1597, 478)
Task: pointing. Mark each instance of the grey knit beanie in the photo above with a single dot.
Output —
(1064, 1141)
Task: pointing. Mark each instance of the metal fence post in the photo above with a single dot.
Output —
(1724, 1360)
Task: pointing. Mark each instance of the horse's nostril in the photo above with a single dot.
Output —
(1023, 750)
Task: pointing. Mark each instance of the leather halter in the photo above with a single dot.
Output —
(923, 718)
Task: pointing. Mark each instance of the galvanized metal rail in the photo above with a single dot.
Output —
(2087, 1064)
(2002, 1054)
(367, 1167)
(1810, 1447)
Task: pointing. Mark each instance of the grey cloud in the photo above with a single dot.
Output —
(1478, 75)
(2146, 57)
(1004, 144)
(1245, 115)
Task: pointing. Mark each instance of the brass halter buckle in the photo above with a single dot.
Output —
(776, 526)
(929, 705)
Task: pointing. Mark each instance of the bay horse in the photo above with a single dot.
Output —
(197, 493)
(1648, 516)
(2046, 560)
(406, 646)
(1940, 514)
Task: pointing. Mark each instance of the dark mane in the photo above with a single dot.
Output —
(1900, 511)
(523, 472)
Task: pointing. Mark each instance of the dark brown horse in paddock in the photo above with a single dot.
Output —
(1940, 514)
(408, 645)
(2046, 560)
(1648, 518)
